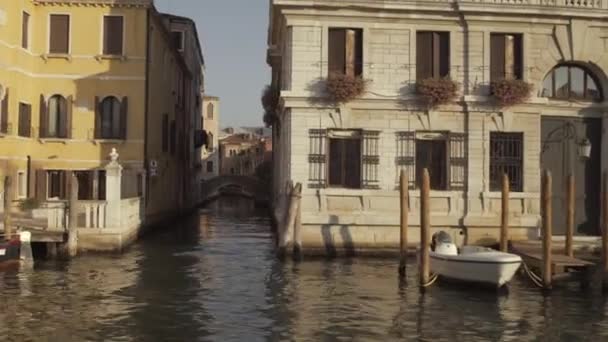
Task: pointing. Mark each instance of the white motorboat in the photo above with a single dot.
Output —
(471, 264)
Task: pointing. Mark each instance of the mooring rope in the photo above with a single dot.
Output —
(534, 277)
(431, 281)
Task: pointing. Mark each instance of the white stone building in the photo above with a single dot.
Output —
(348, 158)
(210, 153)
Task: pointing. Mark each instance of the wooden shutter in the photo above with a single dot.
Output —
(458, 161)
(317, 158)
(65, 119)
(25, 24)
(352, 163)
(337, 51)
(424, 54)
(113, 35)
(172, 136)
(359, 52)
(350, 55)
(4, 113)
(444, 54)
(60, 34)
(124, 112)
(165, 133)
(41, 180)
(336, 162)
(25, 120)
(497, 57)
(22, 120)
(97, 134)
(43, 129)
(518, 50)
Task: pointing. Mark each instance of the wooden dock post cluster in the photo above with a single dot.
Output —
(8, 229)
(290, 229)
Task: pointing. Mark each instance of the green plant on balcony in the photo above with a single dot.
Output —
(342, 88)
(437, 91)
(510, 92)
(270, 103)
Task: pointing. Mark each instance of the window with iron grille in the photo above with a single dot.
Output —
(506, 157)
(406, 154)
(317, 158)
(370, 160)
(347, 159)
(442, 153)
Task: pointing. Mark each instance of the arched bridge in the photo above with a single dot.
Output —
(229, 185)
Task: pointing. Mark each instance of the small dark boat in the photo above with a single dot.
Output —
(10, 250)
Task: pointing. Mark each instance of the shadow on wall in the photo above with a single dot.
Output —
(331, 248)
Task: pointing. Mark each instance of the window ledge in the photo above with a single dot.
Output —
(54, 140)
(100, 58)
(65, 56)
(109, 141)
(512, 195)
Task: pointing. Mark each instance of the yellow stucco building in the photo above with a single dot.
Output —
(79, 78)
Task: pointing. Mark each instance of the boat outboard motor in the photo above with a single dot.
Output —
(442, 243)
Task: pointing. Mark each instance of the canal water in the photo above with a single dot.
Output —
(215, 278)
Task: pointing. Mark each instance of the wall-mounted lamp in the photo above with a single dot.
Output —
(584, 149)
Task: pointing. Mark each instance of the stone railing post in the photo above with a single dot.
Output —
(113, 191)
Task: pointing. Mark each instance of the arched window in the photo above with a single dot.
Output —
(210, 141)
(571, 82)
(56, 121)
(210, 109)
(110, 118)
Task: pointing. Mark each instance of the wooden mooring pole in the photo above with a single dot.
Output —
(403, 189)
(8, 229)
(605, 232)
(547, 231)
(570, 200)
(72, 244)
(297, 232)
(425, 227)
(504, 218)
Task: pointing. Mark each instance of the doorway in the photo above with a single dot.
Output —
(561, 154)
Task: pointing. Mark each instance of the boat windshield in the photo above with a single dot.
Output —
(443, 237)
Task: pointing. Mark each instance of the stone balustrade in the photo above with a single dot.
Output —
(94, 214)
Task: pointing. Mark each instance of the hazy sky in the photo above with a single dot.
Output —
(233, 35)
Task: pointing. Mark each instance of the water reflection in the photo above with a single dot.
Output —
(215, 278)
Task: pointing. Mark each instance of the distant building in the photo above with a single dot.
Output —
(241, 153)
(210, 153)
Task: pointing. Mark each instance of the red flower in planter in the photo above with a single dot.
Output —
(437, 91)
(343, 88)
(510, 92)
